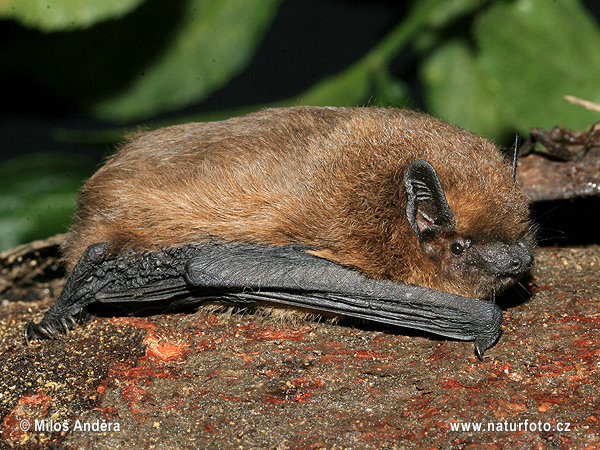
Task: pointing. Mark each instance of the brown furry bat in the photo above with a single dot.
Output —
(384, 199)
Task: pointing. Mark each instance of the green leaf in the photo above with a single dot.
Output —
(533, 52)
(448, 11)
(163, 56)
(527, 55)
(213, 42)
(63, 15)
(457, 91)
(37, 195)
(350, 87)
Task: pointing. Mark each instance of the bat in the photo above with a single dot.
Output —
(381, 214)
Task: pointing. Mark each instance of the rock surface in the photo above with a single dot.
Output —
(243, 381)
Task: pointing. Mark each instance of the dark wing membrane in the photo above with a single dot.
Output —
(287, 275)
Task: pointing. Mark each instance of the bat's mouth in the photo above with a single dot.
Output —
(504, 271)
(496, 286)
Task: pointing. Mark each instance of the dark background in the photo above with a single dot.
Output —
(293, 56)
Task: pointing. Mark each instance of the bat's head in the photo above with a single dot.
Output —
(491, 247)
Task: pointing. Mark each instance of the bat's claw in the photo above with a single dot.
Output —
(49, 328)
(479, 350)
(35, 331)
(68, 323)
(483, 343)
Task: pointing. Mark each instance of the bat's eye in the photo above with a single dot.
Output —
(457, 248)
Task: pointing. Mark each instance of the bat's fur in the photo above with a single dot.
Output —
(328, 177)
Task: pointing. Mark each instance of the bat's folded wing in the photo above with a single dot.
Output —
(287, 275)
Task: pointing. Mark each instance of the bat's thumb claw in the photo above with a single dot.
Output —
(483, 343)
(479, 350)
(489, 331)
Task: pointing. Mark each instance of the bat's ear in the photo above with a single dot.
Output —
(427, 209)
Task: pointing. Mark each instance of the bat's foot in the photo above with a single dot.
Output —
(49, 328)
(78, 292)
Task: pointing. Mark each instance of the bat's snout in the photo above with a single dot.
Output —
(508, 261)
(519, 262)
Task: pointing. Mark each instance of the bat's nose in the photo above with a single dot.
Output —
(520, 265)
(505, 260)
(519, 260)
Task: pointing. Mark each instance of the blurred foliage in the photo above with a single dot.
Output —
(160, 57)
(63, 15)
(489, 66)
(513, 68)
(37, 195)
